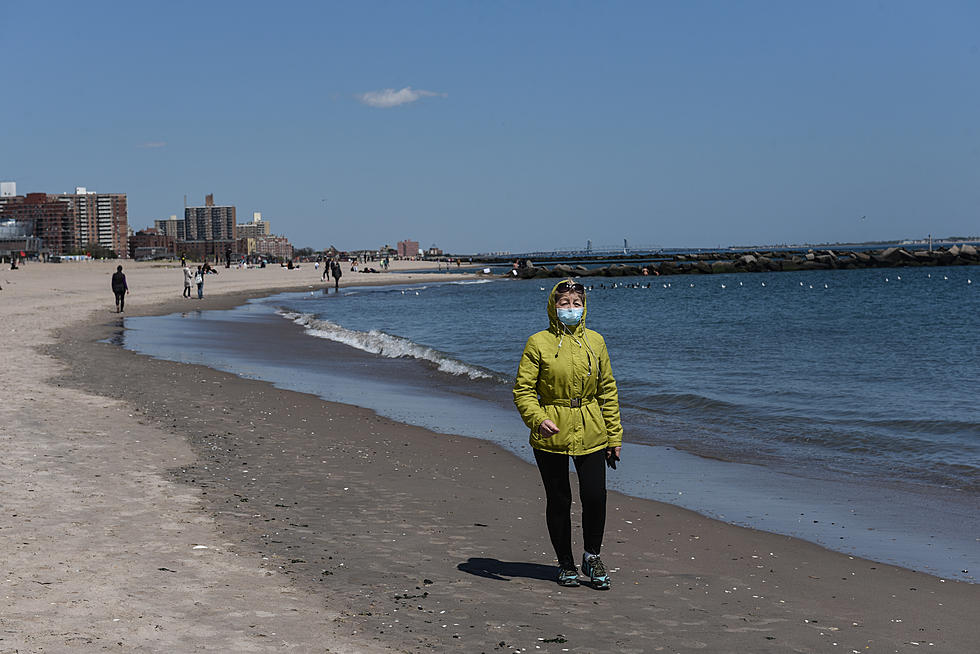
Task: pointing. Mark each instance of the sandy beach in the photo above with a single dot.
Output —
(162, 507)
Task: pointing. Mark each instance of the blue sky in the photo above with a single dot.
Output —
(485, 126)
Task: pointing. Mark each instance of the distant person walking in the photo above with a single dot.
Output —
(119, 288)
(335, 272)
(199, 280)
(188, 278)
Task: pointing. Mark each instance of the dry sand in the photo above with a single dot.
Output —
(154, 506)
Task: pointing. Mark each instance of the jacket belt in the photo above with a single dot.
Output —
(574, 402)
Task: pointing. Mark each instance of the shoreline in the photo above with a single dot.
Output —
(398, 505)
(848, 514)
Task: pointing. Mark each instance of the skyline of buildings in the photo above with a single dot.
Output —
(49, 224)
(67, 222)
(212, 231)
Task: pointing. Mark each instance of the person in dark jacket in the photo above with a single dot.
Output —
(336, 271)
(119, 288)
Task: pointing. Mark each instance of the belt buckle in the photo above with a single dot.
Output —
(575, 403)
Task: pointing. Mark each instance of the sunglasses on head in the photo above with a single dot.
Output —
(566, 287)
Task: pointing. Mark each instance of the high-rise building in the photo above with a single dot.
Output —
(44, 217)
(70, 221)
(256, 228)
(210, 222)
(101, 218)
(8, 189)
(170, 227)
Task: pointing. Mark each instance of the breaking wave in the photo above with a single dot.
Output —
(386, 345)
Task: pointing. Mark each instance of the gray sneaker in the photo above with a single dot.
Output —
(568, 577)
(593, 568)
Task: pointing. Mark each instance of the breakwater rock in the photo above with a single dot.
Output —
(763, 261)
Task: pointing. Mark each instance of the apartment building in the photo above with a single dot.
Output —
(210, 222)
(68, 222)
(255, 229)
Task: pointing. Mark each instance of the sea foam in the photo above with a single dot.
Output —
(386, 345)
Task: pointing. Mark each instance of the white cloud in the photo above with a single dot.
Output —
(154, 144)
(391, 98)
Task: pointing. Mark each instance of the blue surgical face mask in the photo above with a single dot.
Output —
(571, 317)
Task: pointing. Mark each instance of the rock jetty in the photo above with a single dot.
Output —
(708, 263)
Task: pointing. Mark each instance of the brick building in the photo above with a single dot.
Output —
(408, 248)
(70, 221)
(216, 251)
(42, 216)
(255, 229)
(266, 246)
(149, 243)
(210, 222)
(101, 218)
(171, 227)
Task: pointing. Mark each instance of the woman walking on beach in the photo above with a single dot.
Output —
(119, 289)
(566, 393)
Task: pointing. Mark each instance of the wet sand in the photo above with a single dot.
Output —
(170, 507)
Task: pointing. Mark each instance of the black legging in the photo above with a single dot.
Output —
(591, 469)
(120, 299)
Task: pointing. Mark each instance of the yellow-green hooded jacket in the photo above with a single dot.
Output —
(565, 375)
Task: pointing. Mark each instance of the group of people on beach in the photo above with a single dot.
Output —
(196, 278)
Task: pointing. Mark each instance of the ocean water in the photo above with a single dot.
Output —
(837, 406)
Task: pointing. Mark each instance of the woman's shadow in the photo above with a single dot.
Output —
(504, 570)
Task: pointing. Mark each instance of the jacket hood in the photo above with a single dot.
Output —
(556, 325)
